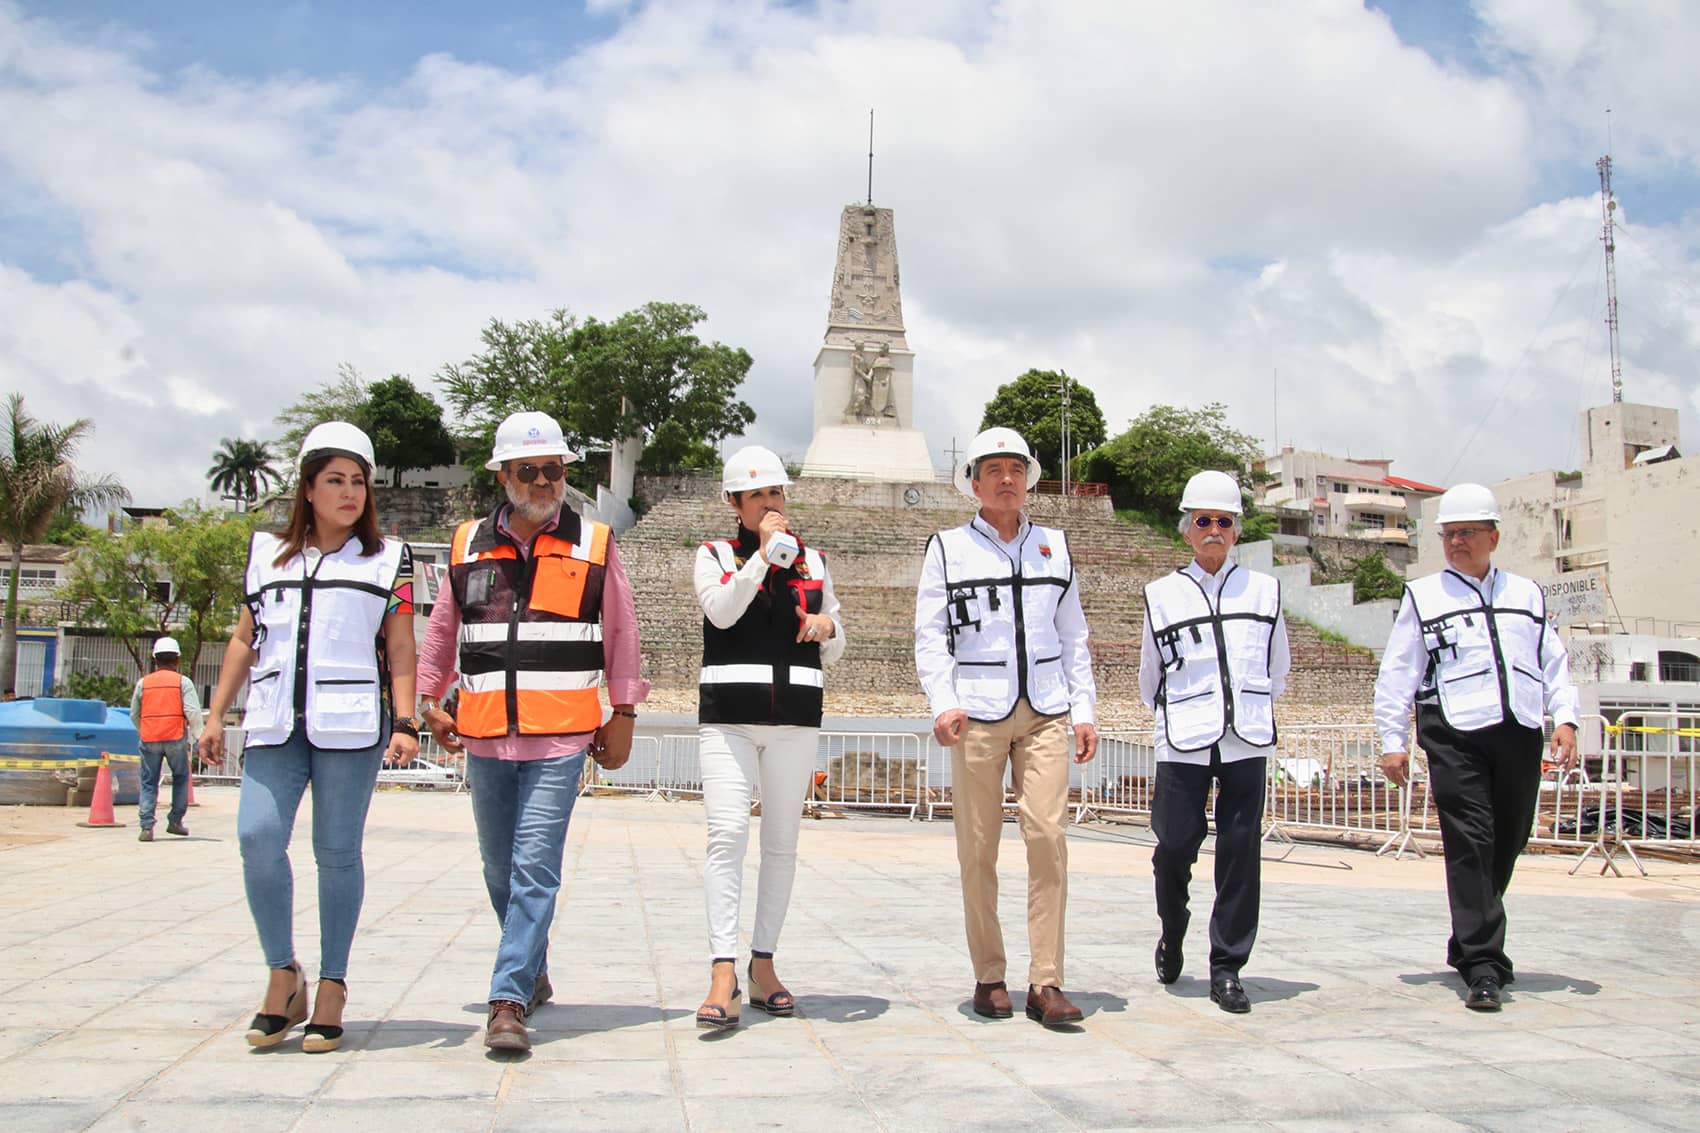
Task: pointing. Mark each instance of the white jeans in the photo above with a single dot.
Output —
(733, 757)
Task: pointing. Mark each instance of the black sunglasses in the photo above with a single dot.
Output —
(1203, 521)
(526, 473)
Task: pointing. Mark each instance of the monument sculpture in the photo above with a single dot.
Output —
(864, 372)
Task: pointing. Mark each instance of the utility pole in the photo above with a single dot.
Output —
(1063, 382)
(1608, 210)
(955, 455)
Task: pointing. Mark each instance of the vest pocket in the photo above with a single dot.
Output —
(1527, 699)
(558, 586)
(1193, 719)
(265, 709)
(342, 709)
(1254, 712)
(1469, 696)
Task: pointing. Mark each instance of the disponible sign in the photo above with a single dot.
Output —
(1575, 597)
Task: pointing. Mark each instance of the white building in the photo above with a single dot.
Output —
(1314, 494)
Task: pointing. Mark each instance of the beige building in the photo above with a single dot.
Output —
(1627, 524)
(1316, 495)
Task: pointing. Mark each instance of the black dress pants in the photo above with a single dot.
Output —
(1178, 821)
(1485, 786)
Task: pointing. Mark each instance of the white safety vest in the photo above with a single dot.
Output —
(1001, 618)
(1215, 661)
(1482, 658)
(316, 625)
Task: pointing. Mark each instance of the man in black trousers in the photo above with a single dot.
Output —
(1472, 649)
(1213, 661)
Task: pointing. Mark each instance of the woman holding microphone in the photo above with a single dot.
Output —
(770, 621)
(327, 614)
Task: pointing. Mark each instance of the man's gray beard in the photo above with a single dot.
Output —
(532, 512)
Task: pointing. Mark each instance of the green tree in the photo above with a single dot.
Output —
(67, 529)
(344, 399)
(242, 469)
(37, 479)
(406, 427)
(1148, 465)
(1372, 578)
(1032, 406)
(645, 374)
(200, 554)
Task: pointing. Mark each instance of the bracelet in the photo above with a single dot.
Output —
(405, 726)
(627, 715)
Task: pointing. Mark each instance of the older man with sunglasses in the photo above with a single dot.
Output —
(1213, 661)
(1472, 649)
(536, 613)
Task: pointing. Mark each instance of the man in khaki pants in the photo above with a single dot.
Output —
(1000, 648)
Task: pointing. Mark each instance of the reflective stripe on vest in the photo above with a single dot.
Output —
(1482, 659)
(755, 671)
(162, 707)
(532, 665)
(1202, 648)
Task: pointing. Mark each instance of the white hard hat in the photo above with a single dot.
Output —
(752, 467)
(337, 438)
(164, 645)
(1212, 491)
(526, 436)
(996, 441)
(1463, 502)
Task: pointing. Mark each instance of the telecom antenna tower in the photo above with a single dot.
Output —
(1608, 212)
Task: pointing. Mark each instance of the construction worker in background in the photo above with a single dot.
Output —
(536, 611)
(1001, 651)
(1213, 660)
(166, 710)
(770, 624)
(1471, 647)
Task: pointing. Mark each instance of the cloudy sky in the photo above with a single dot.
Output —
(206, 207)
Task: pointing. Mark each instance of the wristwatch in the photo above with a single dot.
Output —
(406, 725)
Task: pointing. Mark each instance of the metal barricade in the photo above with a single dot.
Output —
(1327, 777)
(681, 765)
(1121, 778)
(872, 771)
(640, 775)
(1656, 756)
(1574, 809)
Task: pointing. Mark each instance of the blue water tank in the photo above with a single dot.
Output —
(52, 728)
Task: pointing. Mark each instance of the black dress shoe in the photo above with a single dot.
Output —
(1484, 994)
(1226, 993)
(1168, 962)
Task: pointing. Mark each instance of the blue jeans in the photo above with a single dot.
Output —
(521, 808)
(175, 753)
(273, 779)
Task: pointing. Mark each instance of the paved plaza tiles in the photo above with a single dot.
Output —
(128, 973)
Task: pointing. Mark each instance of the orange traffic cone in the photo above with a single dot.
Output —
(192, 801)
(100, 806)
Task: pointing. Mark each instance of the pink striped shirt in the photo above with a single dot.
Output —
(621, 656)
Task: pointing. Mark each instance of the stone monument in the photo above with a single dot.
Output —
(865, 371)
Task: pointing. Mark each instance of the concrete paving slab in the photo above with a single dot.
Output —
(127, 977)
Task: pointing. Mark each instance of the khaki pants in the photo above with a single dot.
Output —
(1037, 749)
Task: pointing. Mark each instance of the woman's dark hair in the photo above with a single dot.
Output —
(301, 513)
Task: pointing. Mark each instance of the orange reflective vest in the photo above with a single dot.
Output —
(162, 707)
(530, 628)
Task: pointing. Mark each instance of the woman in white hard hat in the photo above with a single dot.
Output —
(770, 621)
(327, 617)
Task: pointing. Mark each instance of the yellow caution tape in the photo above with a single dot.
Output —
(66, 764)
(1646, 730)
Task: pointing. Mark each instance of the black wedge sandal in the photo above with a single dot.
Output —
(712, 1016)
(269, 1030)
(319, 1038)
(780, 1002)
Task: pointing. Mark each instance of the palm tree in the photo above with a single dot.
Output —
(242, 469)
(37, 478)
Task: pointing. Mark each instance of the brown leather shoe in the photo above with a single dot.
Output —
(1048, 1005)
(992, 1001)
(506, 1029)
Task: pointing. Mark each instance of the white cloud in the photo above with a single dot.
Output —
(1168, 202)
